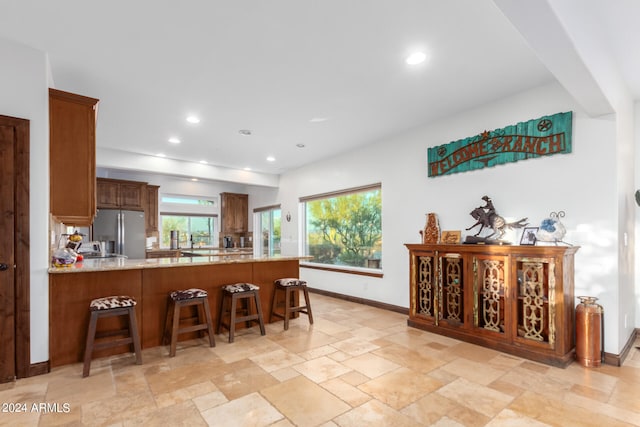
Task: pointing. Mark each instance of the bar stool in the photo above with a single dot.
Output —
(290, 287)
(186, 298)
(243, 292)
(117, 305)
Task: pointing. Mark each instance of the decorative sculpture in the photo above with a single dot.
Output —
(431, 232)
(486, 216)
(551, 229)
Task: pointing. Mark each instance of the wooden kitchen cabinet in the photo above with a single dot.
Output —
(120, 194)
(72, 157)
(151, 211)
(516, 299)
(235, 212)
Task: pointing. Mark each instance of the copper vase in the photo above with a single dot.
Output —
(589, 341)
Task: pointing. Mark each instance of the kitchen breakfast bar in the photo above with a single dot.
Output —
(149, 282)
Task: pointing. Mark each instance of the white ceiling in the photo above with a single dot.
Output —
(272, 66)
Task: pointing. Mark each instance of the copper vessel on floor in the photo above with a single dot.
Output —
(589, 332)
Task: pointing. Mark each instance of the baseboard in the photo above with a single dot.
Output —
(618, 359)
(39, 368)
(364, 301)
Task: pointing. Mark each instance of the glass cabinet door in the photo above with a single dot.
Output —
(451, 292)
(426, 286)
(440, 288)
(490, 289)
(535, 304)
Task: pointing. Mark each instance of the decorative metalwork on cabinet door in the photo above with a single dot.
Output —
(426, 272)
(439, 288)
(489, 288)
(451, 288)
(536, 299)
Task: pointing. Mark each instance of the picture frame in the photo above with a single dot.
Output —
(450, 237)
(529, 236)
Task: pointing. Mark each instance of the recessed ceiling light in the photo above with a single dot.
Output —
(300, 145)
(416, 58)
(193, 119)
(247, 168)
(204, 162)
(161, 155)
(271, 159)
(244, 132)
(319, 119)
(194, 179)
(174, 140)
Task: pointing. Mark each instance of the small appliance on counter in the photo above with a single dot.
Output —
(228, 241)
(175, 239)
(90, 248)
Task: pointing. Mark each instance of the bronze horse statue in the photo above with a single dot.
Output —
(486, 216)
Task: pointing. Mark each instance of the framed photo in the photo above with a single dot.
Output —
(450, 237)
(529, 236)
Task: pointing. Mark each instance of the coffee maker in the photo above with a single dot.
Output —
(228, 241)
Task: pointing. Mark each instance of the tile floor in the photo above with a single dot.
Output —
(356, 366)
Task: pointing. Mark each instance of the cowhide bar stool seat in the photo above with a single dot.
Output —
(245, 293)
(117, 305)
(203, 322)
(290, 287)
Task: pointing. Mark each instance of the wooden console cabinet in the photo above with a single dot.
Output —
(72, 157)
(516, 299)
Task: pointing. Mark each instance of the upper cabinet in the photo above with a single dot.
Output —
(235, 212)
(151, 212)
(119, 194)
(72, 157)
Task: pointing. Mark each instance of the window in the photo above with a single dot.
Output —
(268, 220)
(194, 217)
(194, 230)
(344, 228)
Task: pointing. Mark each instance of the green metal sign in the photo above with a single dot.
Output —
(535, 138)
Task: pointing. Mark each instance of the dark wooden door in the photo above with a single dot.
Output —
(7, 253)
(14, 251)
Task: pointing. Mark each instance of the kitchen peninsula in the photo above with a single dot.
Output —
(149, 281)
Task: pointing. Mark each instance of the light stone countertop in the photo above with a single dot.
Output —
(110, 264)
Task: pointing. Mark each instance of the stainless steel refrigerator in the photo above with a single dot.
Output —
(126, 229)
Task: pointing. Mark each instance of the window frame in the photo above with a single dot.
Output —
(257, 239)
(174, 204)
(303, 241)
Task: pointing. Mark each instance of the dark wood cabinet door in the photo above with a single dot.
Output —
(72, 157)
(151, 211)
(132, 196)
(235, 215)
(119, 194)
(107, 194)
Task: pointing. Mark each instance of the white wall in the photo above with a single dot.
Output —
(24, 87)
(583, 184)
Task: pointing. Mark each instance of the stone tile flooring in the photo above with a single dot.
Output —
(356, 366)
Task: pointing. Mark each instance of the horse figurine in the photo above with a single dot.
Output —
(486, 216)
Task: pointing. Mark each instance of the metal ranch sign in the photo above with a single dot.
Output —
(535, 138)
